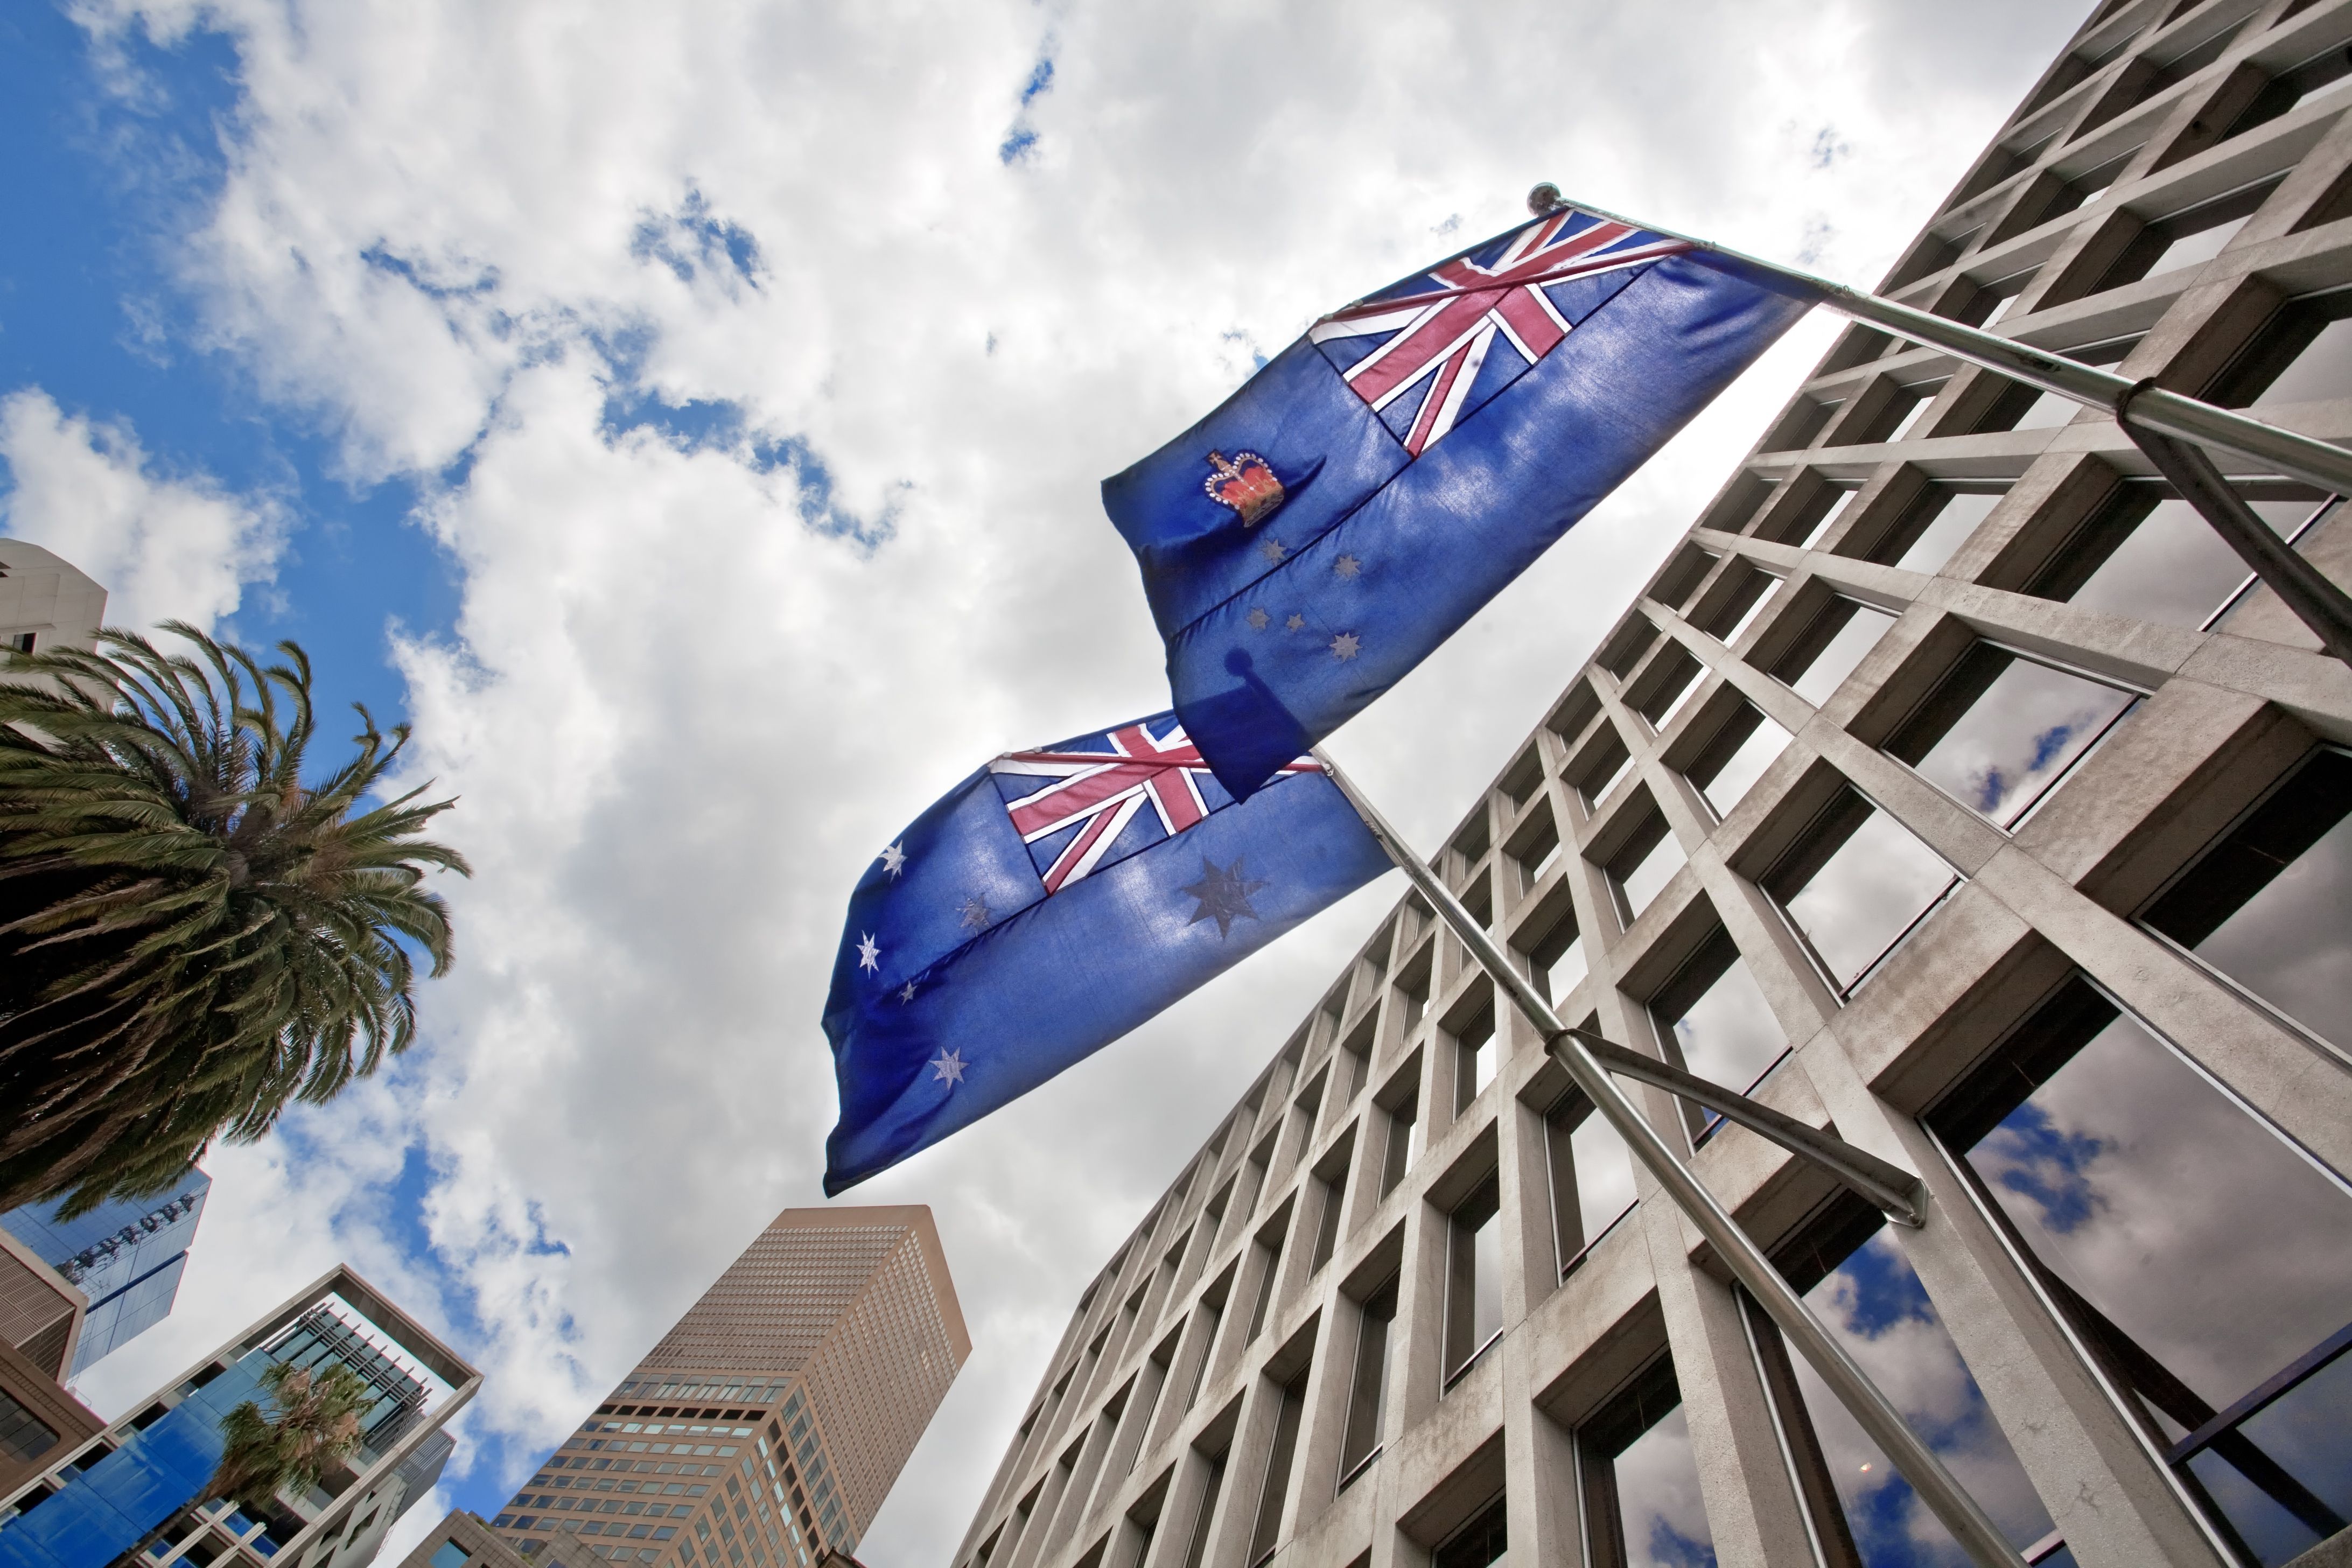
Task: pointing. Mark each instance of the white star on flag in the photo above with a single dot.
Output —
(893, 858)
(950, 1066)
(869, 957)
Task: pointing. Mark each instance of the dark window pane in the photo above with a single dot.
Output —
(1367, 1390)
(1736, 756)
(2270, 904)
(2000, 730)
(1473, 1284)
(1592, 1177)
(2323, 370)
(1482, 1541)
(2196, 1250)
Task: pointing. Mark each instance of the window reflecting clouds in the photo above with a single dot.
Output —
(2196, 1252)
(2158, 560)
(1855, 884)
(1874, 1304)
(2000, 730)
(1720, 1024)
(1642, 1505)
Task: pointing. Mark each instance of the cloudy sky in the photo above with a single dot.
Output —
(689, 417)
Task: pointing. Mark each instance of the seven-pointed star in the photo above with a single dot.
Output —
(1294, 624)
(1347, 566)
(893, 858)
(1258, 620)
(1224, 893)
(949, 1065)
(1271, 549)
(1345, 645)
(869, 957)
(976, 914)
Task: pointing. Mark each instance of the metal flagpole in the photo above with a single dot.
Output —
(2166, 426)
(1952, 1503)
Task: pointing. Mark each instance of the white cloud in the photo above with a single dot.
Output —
(681, 717)
(163, 546)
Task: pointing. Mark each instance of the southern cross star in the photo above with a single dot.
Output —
(893, 858)
(869, 957)
(949, 1065)
(976, 915)
(1223, 894)
(907, 993)
(1272, 549)
(1294, 624)
(1258, 619)
(1347, 566)
(1345, 647)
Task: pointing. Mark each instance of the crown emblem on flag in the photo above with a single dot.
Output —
(1246, 484)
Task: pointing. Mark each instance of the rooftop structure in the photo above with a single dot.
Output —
(769, 1424)
(1949, 785)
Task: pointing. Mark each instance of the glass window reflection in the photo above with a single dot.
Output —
(2205, 1261)
(2000, 730)
(1642, 1504)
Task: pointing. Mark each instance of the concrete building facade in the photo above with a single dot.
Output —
(93, 1501)
(41, 1319)
(768, 1424)
(1948, 786)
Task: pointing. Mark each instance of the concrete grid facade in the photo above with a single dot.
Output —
(1945, 766)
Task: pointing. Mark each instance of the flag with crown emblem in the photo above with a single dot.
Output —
(1372, 486)
(1048, 904)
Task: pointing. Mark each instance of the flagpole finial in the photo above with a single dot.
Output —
(1546, 199)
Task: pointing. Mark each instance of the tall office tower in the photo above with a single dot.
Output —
(94, 1500)
(1948, 785)
(769, 1421)
(126, 1255)
(40, 1328)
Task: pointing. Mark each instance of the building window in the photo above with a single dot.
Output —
(1592, 1177)
(2266, 905)
(1269, 1243)
(1205, 1515)
(24, 1436)
(1640, 1480)
(1360, 1442)
(1933, 529)
(1482, 1541)
(1676, 680)
(1733, 609)
(2000, 730)
(1735, 757)
(1266, 1535)
(1862, 1289)
(1474, 1050)
(1837, 640)
(1399, 1105)
(1643, 865)
(1553, 947)
(1331, 1185)
(2305, 355)
(2155, 559)
(1473, 1279)
(1536, 847)
(2205, 1262)
(1597, 770)
(1715, 1020)
(1855, 883)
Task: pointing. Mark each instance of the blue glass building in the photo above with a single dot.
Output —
(126, 1256)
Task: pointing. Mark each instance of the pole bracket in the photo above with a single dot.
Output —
(1892, 1189)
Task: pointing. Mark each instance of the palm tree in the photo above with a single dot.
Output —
(191, 936)
(316, 1429)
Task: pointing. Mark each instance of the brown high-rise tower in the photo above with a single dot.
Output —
(769, 1421)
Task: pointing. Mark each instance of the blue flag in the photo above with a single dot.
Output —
(1054, 900)
(1375, 484)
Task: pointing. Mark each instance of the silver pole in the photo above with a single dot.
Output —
(2298, 457)
(1945, 1496)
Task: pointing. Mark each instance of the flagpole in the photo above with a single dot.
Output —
(1945, 1496)
(2168, 427)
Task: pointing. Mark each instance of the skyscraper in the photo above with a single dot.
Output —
(769, 1421)
(96, 1498)
(126, 1255)
(1948, 784)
